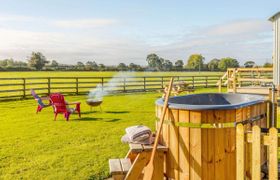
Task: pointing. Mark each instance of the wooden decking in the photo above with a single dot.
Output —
(251, 90)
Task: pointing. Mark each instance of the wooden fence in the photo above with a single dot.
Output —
(20, 87)
(247, 80)
(248, 160)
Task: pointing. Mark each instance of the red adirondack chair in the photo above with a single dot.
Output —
(61, 106)
(40, 102)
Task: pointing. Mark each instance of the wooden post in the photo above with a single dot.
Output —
(161, 82)
(124, 84)
(193, 81)
(206, 81)
(24, 87)
(220, 85)
(240, 152)
(144, 83)
(102, 83)
(256, 153)
(234, 80)
(273, 159)
(49, 85)
(77, 86)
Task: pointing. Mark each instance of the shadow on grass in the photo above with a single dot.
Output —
(117, 112)
(97, 119)
(108, 112)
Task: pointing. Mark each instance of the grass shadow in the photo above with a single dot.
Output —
(97, 119)
(117, 112)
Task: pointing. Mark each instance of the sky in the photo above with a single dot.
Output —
(111, 31)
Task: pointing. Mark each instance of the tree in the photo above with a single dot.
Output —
(154, 61)
(91, 65)
(37, 60)
(80, 65)
(267, 64)
(167, 65)
(249, 64)
(134, 67)
(54, 63)
(179, 64)
(195, 61)
(213, 65)
(228, 62)
(122, 67)
(101, 67)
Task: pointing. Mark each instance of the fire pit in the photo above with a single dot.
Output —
(93, 103)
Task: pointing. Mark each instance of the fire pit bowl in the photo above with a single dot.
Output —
(94, 102)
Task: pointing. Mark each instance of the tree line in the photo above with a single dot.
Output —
(195, 62)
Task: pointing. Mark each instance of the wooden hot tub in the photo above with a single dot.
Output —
(199, 130)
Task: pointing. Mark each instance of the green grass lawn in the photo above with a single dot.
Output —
(33, 146)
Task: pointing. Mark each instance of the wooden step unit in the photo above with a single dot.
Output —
(119, 168)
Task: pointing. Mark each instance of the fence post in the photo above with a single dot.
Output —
(256, 153)
(240, 152)
(77, 86)
(193, 81)
(206, 81)
(102, 83)
(24, 87)
(161, 82)
(234, 80)
(273, 159)
(49, 85)
(220, 85)
(124, 84)
(144, 83)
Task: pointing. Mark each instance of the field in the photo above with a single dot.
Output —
(33, 146)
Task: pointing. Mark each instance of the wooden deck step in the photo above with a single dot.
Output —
(119, 168)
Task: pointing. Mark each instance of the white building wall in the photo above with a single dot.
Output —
(276, 50)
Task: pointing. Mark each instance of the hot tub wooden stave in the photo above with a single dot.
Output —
(205, 153)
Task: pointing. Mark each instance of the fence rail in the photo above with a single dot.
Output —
(20, 87)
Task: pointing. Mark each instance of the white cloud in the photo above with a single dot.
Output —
(9, 18)
(243, 39)
(84, 23)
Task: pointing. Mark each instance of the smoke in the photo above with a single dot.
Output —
(108, 87)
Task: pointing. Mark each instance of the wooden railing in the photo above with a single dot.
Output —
(247, 80)
(20, 87)
(252, 156)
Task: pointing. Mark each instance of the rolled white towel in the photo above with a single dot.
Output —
(138, 133)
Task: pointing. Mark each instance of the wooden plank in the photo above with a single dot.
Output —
(240, 152)
(126, 164)
(220, 116)
(169, 154)
(230, 147)
(158, 163)
(195, 147)
(211, 142)
(256, 153)
(173, 153)
(115, 166)
(273, 159)
(138, 165)
(184, 146)
(135, 148)
(204, 146)
(160, 148)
